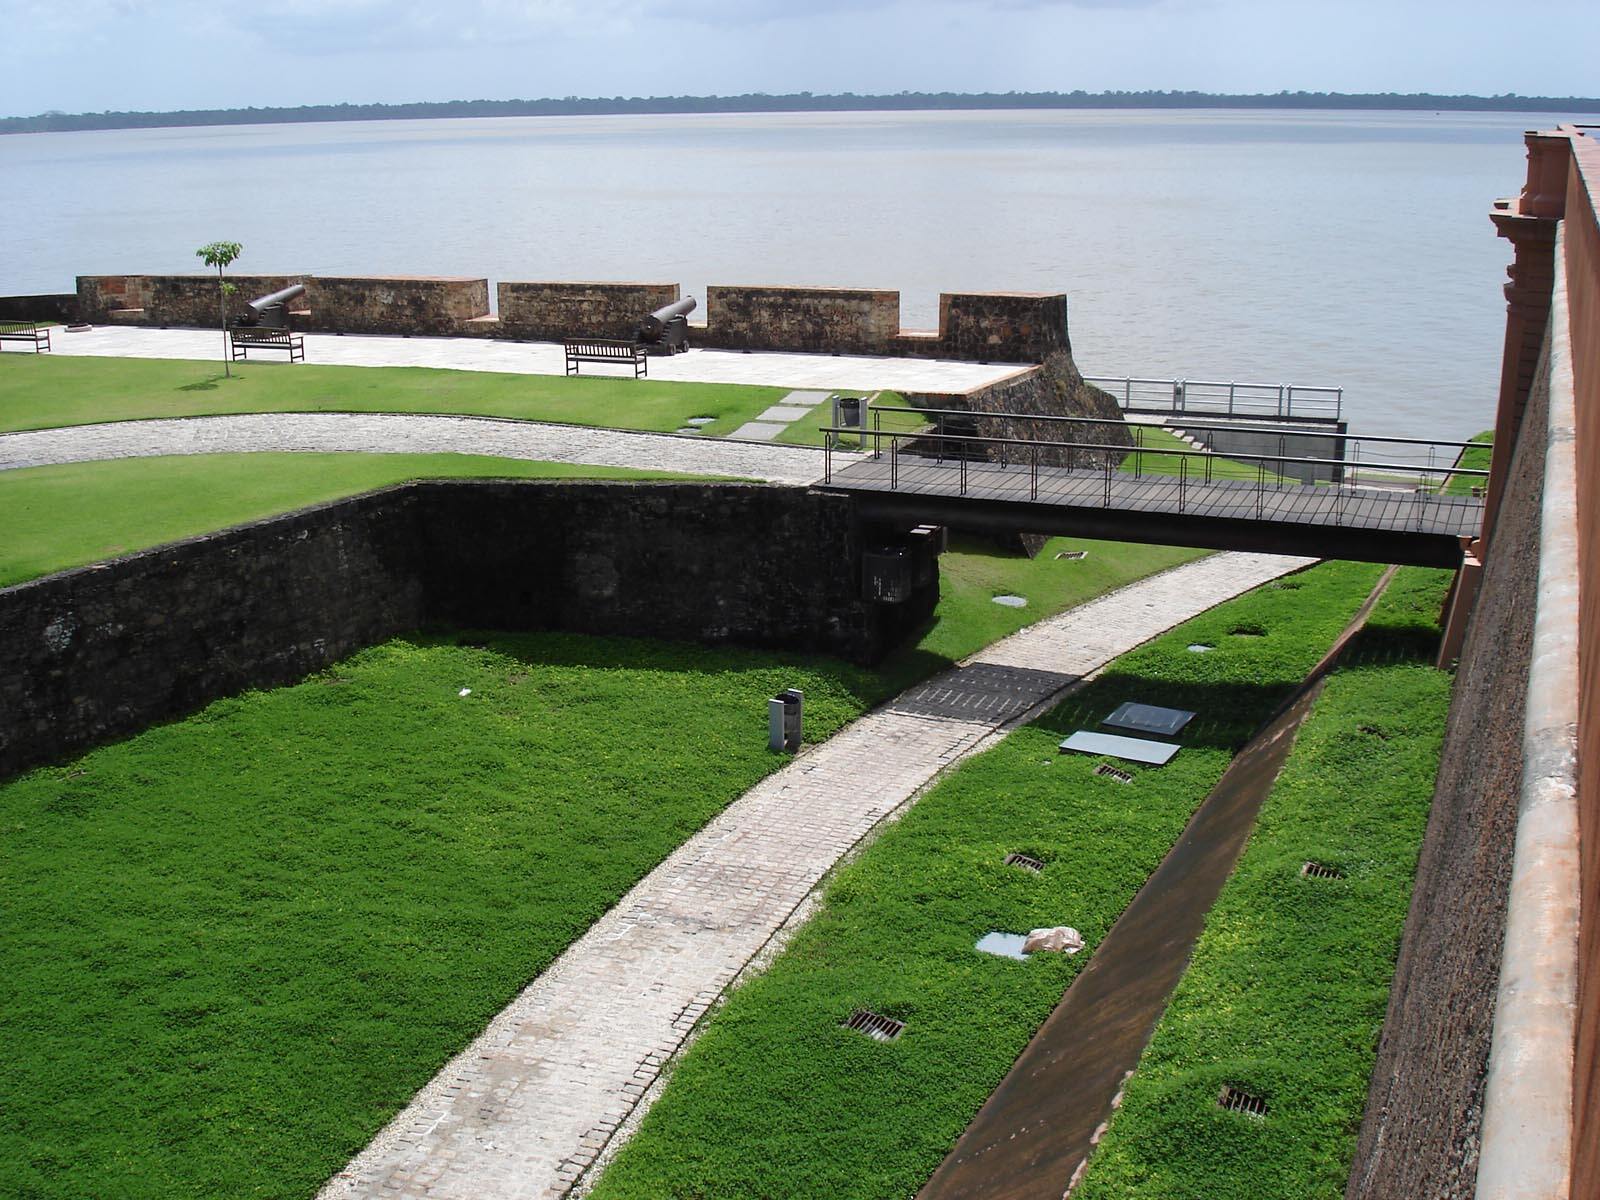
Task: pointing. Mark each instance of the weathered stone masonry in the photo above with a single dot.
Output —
(1021, 327)
(104, 651)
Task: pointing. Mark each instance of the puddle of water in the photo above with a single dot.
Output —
(697, 421)
(1006, 945)
(1012, 601)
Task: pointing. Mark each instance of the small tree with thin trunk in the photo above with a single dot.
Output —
(221, 255)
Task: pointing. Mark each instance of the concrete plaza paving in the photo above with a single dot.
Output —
(856, 372)
(539, 1096)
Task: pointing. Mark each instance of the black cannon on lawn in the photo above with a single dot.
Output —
(666, 331)
(268, 312)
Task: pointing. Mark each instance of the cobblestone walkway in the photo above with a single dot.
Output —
(410, 433)
(524, 1110)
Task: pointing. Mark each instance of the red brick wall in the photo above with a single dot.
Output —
(1582, 237)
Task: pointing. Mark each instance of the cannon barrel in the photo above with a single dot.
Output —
(261, 303)
(651, 326)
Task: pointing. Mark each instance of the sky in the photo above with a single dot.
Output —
(91, 55)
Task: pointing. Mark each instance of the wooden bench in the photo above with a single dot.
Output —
(25, 331)
(603, 351)
(245, 338)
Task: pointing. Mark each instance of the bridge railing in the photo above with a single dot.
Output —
(1359, 459)
(1279, 400)
(1195, 472)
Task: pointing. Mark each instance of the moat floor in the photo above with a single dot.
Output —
(857, 372)
(525, 1109)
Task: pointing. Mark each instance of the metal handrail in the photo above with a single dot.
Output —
(1340, 492)
(1176, 394)
(923, 435)
(1288, 430)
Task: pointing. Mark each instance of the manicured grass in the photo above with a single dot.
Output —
(808, 430)
(1286, 993)
(1154, 437)
(235, 945)
(777, 1100)
(52, 518)
(1474, 458)
(973, 572)
(42, 391)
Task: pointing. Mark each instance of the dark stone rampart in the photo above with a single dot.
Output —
(104, 651)
(63, 308)
(1420, 1135)
(1052, 389)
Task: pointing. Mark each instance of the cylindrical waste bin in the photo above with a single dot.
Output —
(784, 721)
(847, 411)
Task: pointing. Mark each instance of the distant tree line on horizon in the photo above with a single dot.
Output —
(54, 122)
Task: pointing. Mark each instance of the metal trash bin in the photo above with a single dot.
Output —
(847, 412)
(785, 721)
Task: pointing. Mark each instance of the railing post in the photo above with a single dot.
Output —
(877, 434)
(1183, 480)
(894, 462)
(1033, 492)
(1280, 400)
(1261, 486)
(827, 458)
(1231, 385)
(1108, 481)
(963, 474)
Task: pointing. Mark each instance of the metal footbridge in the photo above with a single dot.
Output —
(1059, 476)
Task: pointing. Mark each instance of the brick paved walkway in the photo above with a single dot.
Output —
(411, 433)
(533, 1101)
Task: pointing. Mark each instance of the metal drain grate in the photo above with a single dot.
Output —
(1315, 870)
(1072, 555)
(880, 1029)
(1111, 772)
(1232, 1099)
(1025, 861)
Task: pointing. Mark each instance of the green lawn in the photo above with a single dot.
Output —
(235, 945)
(776, 1099)
(52, 518)
(42, 391)
(1287, 991)
(1154, 437)
(1474, 458)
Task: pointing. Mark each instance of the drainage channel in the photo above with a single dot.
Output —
(1034, 1134)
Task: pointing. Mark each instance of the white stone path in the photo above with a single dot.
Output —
(533, 1101)
(412, 433)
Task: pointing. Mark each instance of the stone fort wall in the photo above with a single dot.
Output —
(1021, 327)
(104, 651)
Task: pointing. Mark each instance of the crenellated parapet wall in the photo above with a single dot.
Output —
(549, 312)
(1019, 327)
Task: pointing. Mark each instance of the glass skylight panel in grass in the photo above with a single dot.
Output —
(1140, 750)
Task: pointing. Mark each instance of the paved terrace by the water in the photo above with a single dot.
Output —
(856, 372)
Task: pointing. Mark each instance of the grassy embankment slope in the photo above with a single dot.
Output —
(776, 1099)
(1287, 990)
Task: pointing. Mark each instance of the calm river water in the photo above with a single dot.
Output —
(1338, 248)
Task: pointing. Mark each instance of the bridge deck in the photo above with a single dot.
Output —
(1283, 514)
